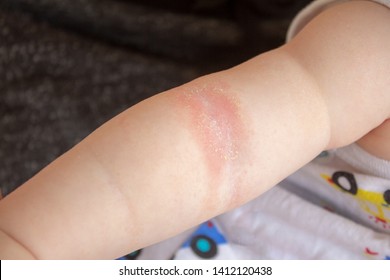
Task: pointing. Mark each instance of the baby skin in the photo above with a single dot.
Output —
(196, 151)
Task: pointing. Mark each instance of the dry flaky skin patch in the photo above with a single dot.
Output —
(217, 126)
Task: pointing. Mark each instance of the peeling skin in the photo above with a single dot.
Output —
(217, 127)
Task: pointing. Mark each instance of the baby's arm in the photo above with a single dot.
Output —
(196, 151)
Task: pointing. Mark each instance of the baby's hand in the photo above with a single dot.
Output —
(377, 141)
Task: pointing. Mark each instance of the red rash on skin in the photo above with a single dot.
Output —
(217, 126)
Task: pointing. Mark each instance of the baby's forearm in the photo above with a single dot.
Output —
(186, 155)
(171, 162)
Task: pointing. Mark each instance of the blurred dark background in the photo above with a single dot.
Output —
(67, 66)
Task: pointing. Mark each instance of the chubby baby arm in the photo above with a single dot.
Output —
(193, 152)
(165, 165)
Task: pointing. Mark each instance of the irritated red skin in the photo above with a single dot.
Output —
(216, 125)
